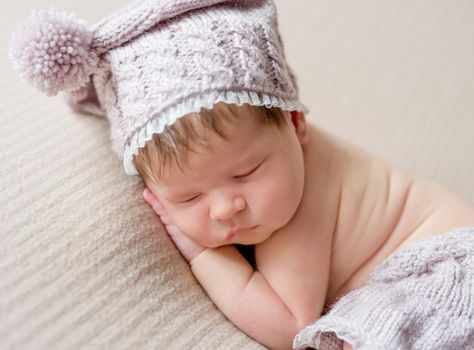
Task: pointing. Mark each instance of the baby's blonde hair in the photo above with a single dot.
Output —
(174, 143)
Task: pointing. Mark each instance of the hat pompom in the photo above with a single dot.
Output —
(51, 50)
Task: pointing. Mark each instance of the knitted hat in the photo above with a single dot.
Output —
(155, 61)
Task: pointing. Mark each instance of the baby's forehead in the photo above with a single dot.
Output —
(222, 127)
(219, 135)
(220, 157)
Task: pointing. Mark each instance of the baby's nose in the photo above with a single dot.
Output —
(225, 207)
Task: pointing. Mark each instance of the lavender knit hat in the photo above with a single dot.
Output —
(155, 61)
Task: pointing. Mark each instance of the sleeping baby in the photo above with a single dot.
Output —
(300, 238)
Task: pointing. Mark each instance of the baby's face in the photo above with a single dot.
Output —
(241, 191)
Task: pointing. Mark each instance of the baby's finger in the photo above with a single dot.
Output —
(153, 201)
(148, 196)
(165, 219)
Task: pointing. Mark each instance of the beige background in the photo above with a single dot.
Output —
(84, 262)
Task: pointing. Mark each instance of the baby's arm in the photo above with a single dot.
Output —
(273, 303)
(286, 292)
(245, 296)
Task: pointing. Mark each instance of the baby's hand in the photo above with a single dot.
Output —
(346, 346)
(187, 247)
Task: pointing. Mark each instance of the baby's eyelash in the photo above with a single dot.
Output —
(189, 199)
(248, 173)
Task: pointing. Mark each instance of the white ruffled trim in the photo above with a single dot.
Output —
(193, 105)
(311, 336)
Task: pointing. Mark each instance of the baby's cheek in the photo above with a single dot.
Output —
(275, 203)
(288, 192)
(193, 223)
(177, 216)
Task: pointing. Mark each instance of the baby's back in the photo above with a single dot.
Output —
(381, 209)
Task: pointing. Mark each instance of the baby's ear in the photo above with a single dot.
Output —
(301, 128)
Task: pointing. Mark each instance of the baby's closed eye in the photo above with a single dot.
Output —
(189, 199)
(250, 172)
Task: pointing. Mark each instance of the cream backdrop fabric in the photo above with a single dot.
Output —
(84, 263)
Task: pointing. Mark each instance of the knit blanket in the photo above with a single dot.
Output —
(422, 297)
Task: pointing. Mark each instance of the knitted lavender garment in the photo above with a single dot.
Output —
(421, 298)
(149, 64)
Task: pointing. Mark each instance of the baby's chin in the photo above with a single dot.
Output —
(252, 238)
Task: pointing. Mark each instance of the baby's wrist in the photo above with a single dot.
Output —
(198, 256)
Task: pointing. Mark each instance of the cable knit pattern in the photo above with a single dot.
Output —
(420, 298)
(139, 16)
(160, 59)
